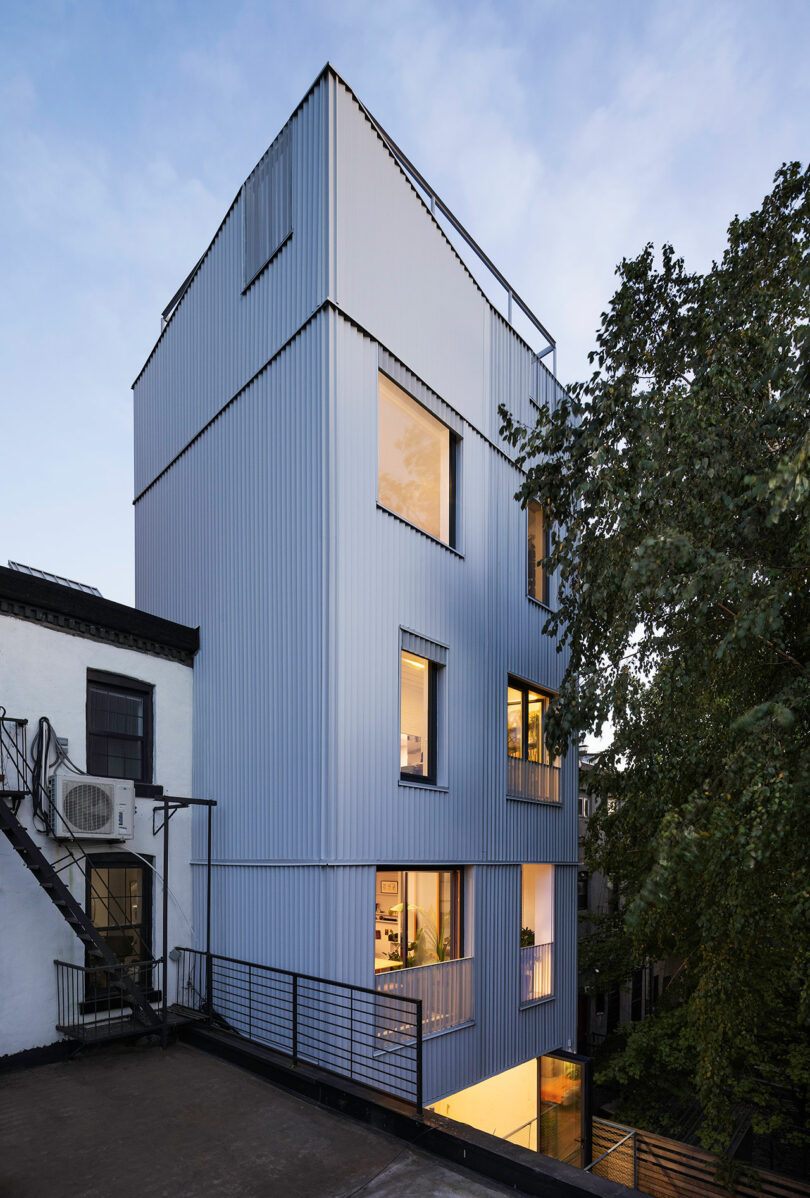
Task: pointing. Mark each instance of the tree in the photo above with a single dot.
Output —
(677, 478)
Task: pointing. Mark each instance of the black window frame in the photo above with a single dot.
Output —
(519, 684)
(128, 686)
(531, 563)
(100, 999)
(430, 778)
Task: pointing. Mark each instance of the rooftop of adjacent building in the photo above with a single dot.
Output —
(80, 610)
(138, 1122)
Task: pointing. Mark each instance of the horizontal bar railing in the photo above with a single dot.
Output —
(619, 1160)
(532, 780)
(352, 1031)
(444, 988)
(536, 972)
(93, 1002)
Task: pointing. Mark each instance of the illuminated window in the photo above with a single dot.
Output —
(526, 712)
(415, 464)
(536, 932)
(539, 546)
(417, 918)
(417, 728)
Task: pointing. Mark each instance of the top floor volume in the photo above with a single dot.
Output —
(335, 217)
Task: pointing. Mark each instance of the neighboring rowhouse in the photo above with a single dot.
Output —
(115, 686)
(321, 486)
(602, 1009)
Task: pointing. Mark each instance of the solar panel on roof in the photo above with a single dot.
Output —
(57, 578)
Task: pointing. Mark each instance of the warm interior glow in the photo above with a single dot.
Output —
(414, 746)
(561, 1110)
(413, 465)
(538, 901)
(537, 550)
(501, 1105)
(417, 917)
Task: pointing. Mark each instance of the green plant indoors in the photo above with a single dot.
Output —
(677, 479)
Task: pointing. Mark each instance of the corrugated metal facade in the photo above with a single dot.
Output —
(267, 534)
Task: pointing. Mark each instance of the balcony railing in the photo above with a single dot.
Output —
(445, 989)
(94, 1004)
(351, 1031)
(536, 972)
(532, 780)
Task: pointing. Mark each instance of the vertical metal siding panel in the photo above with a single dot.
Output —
(222, 543)
(218, 338)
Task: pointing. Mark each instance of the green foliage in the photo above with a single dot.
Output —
(678, 480)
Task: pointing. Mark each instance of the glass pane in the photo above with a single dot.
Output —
(536, 553)
(514, 722)
(115, 711)
(534, 749)
(537, 906)
(560, 1114)
(389, 921)
(414, 721)
(413, 462)
(431, 916)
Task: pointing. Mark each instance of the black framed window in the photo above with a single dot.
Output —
(416, 463)
(582, 890)
(418, 718)
(118, 899)
(418, 918)
(538, 547)
(119, 727)
(526, 713)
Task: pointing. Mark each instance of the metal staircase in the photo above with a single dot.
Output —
(18, 781)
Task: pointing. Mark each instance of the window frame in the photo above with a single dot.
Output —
(130, 686)
(452, 469)
(457, 924)
(545, 599)
(97, 999)
(430, 778)
(519, 684)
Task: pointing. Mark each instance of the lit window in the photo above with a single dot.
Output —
(539, 546)
(415, 463)
(417, 740)
(526, 712)
(417, 918)
(536, 931)
(119, 727)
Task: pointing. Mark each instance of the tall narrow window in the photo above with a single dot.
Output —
(536, 931)
(119, 903)
(539, 547)
(415, 463)
(119, 727)
(417, 740)
(532, 773)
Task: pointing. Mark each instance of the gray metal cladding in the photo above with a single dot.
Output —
(266, 533)
(266, 202)
(219, 337)
(233, 537)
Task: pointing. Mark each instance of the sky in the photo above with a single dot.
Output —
(564, 134)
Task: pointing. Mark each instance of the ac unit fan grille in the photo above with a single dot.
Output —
(88, 807)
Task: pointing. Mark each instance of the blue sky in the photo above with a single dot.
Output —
(564, 135)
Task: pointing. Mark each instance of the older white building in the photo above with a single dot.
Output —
(322, 488)
(115, 685)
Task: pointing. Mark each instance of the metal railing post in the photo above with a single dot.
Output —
(635, 1161)
(295, 1019)
(419, 1056)
(351, 1034)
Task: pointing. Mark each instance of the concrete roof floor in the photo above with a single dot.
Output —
(141, 1123)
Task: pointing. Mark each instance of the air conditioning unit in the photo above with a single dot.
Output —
(92, 808)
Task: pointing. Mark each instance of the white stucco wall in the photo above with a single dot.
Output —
(43, 671)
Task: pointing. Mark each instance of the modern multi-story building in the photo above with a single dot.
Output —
(322, 488)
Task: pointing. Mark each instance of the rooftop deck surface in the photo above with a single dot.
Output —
(138, 1122)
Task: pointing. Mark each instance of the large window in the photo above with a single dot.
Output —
(417, 740)
(539, 547)
(119, 727)
(417, 918)
(416, 463)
